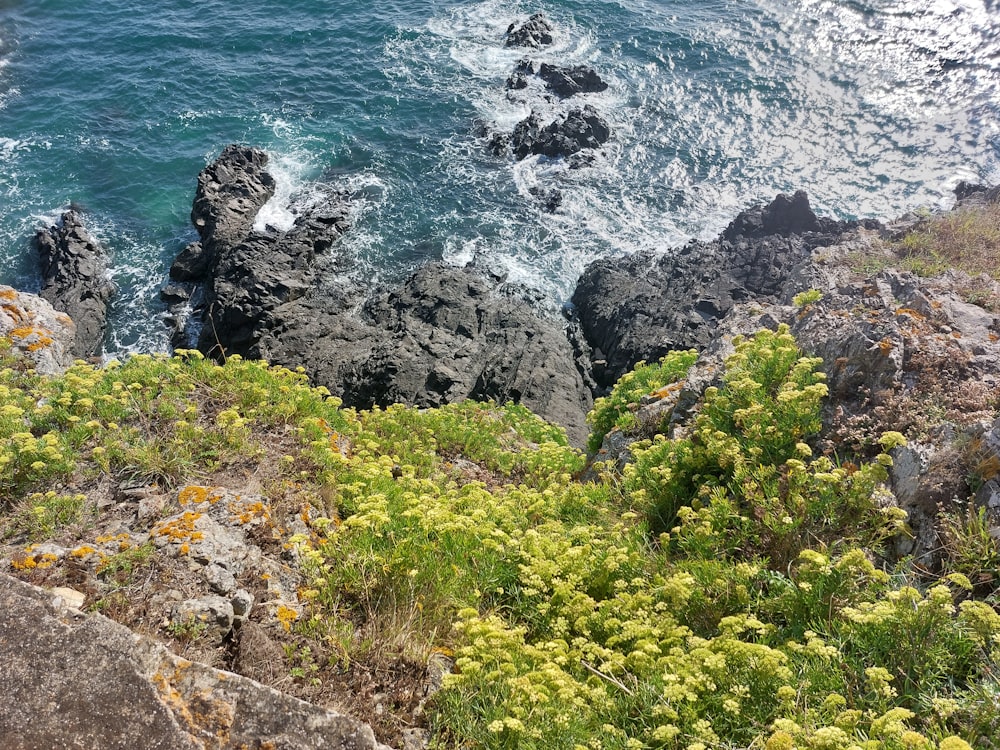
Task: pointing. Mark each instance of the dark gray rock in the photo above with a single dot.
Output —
(642, 306)
(568, 81)
(535, 32)
(447, 334)
(83, 681)
(264, 271)
(561, 80)
(75, 281)
(579, 129)
(231, 190)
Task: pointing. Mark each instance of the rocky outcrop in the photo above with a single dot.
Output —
(231, 190)
(77, 680)
(901, 352)
(264, 271)
(561, 80)
(38, 332)
(445, 335)
(75, 280)
(642, 306)
(535, 32)
(579, 129)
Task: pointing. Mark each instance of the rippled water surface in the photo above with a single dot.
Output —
(874, 106)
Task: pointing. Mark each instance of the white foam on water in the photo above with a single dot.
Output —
(461, 54)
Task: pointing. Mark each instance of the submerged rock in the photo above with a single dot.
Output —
(535, 32)
(75, 280)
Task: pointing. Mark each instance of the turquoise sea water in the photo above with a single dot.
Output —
(874, 106)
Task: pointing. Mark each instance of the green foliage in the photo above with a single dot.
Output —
(42, 515)
(618, 408)
(806, 298)
(967, 239)
(743, 606)
(970, 549)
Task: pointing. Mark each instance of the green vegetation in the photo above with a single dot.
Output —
(729, 590)
(967, 240)
(618, 408)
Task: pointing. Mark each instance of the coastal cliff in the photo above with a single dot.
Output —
(434, 570)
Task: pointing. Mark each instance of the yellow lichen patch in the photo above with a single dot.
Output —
(84, 550)
(179, 529)
(28, 561)
(193, 494)
(8, 294)
(911, 312)
(668, 390)
(885, 346)
(248, 513)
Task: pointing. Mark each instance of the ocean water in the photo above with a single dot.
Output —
(875, 107)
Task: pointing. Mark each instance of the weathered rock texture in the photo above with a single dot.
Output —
(37, 331)
(901, 352)
(563, 81)
(75, 281)
(645, 305)
(231, 190)
(444, 335)
(447, 334)
(535, 32)
(578, 130)
(83, 681)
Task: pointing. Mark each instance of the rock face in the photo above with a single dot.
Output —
(901, 352)
(445, 335)
(74, 280)
(578, 130)
(535, 32)
(231, 190)
(76, 680)
(642, 306)
(38, 332)
(264, 271)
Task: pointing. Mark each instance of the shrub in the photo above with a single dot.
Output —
(618, 408)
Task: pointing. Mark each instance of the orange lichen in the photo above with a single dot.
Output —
(244, 514)
(82, 551)
(193, 494)
(911, 312)
(8, 294)
(885, 346)
(179, 529)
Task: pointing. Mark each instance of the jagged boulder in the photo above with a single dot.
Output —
(231, 191)
(535, 32)
(37, 331)
(77, 680)
(74, 279)
(563, 81)
(264, 271)
(579, 129)
(644, 305)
